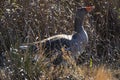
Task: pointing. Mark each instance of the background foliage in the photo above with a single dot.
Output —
(32, 20)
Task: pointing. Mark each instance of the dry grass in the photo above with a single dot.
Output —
(98, 73)
(103, 74)
(67, 70)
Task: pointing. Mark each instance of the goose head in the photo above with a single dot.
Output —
(82, 11)
(79, 18)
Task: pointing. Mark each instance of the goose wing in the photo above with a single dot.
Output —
(56, 42)
(51, 43)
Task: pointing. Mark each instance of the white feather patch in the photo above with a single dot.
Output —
(69, 37)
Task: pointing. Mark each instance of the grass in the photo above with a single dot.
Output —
(65, 73)
(45, 70)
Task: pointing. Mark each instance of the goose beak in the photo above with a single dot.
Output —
(90, 8)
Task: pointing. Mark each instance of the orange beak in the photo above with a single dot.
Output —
(90, 8)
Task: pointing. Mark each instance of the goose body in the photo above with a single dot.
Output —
(75, 42)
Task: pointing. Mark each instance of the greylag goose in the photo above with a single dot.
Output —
(75, 42)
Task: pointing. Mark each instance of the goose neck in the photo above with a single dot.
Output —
(79, 25)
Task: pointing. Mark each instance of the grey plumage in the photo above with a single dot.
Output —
(75, 42)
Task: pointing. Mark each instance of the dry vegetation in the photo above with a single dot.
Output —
(24, 21)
